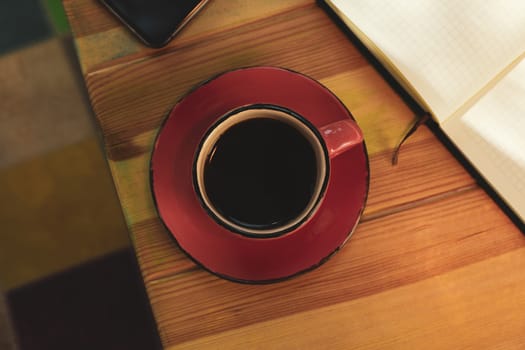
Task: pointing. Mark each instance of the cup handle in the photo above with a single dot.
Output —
(341, 136)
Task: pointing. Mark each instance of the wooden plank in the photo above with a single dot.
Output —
(102, 40)
(384, 254)
(424, 160)
(88, 17)
(475, 307)
(383, 125)
(425, 171)
(127, 103)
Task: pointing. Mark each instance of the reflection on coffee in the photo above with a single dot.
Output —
(261, 173)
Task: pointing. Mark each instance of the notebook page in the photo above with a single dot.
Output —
(447, 50)
(491, 135)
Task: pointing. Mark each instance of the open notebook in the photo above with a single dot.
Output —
(463, 61)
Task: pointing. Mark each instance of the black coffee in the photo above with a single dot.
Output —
(261, 173)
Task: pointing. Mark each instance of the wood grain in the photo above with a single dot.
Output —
(392, 189)
(103, 41)
(385, 253)
(434, 262)
(144, 102)
(474, 307)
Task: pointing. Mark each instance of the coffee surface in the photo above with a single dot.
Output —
(261, 173)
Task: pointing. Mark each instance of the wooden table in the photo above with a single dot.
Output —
(434, 264)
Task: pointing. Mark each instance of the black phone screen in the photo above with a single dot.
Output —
(155, 22)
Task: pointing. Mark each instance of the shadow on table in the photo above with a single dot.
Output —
(99, 305)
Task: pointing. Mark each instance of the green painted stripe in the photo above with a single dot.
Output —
(57, 16)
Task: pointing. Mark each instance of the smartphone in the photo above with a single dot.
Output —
(155, 22)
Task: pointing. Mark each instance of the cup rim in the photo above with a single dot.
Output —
(238, 229)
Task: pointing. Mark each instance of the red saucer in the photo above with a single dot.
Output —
(211, 245)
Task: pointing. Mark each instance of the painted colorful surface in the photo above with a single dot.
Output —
(433, 262)
(49, 154)
(62, 232)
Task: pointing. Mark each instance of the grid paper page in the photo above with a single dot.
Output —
(492, 135)
(448, 50)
